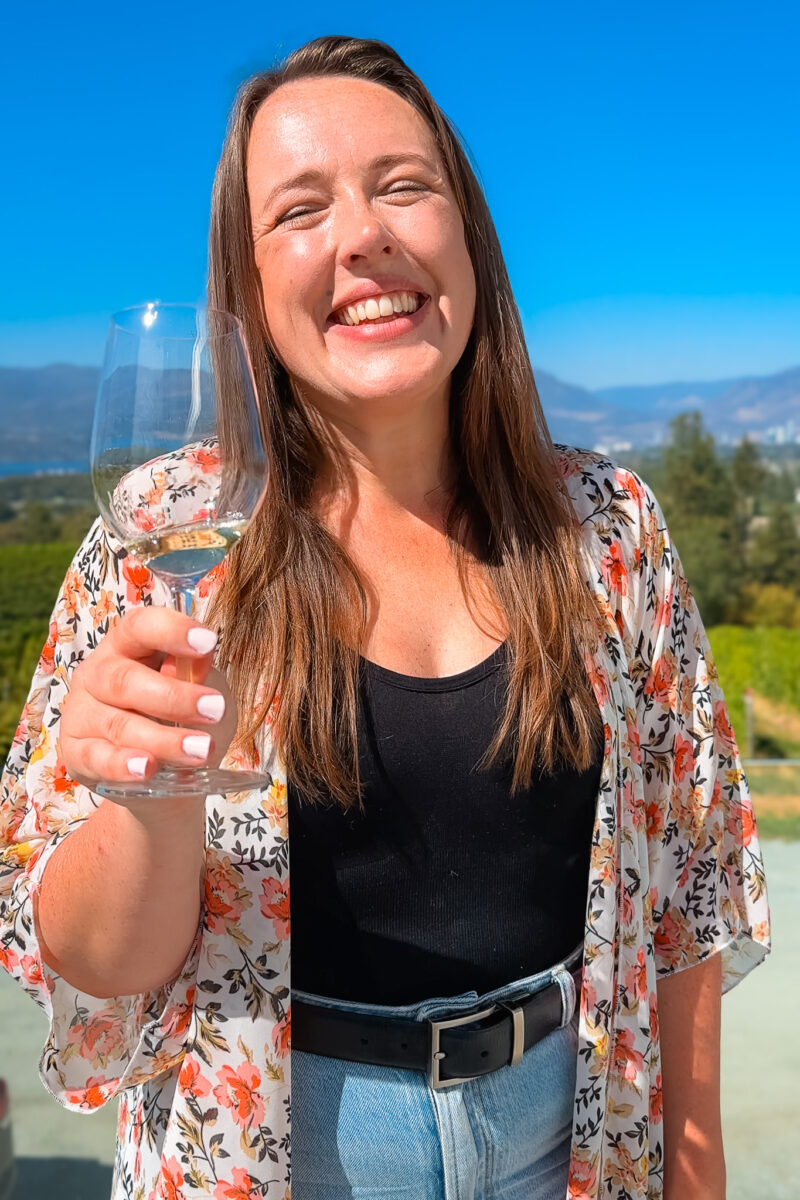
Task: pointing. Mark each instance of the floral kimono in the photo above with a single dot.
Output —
(201, 1066)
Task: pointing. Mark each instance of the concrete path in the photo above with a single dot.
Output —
(761, 1049)
(69, 1156)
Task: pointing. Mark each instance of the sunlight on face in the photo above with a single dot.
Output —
(368, 287)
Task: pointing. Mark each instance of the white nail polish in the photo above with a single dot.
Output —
(202, 640)
(212, 707)
(137, 767)
(196, 745)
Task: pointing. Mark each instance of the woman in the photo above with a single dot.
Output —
(530, 770)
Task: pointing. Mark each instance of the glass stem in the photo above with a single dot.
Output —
(183, 602)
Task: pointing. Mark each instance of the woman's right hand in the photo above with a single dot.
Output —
(111, 719)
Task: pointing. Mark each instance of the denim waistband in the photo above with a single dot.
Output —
(563, 973)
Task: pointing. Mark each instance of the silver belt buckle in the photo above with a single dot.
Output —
(436, 1054)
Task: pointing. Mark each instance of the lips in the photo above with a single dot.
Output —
(382, 329)
(370, 300)
(379, 308)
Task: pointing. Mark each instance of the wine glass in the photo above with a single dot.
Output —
(178, 470)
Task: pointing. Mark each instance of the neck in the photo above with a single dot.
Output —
(403, 464)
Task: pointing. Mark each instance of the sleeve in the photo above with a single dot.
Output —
(707, 889)
(94, 1047)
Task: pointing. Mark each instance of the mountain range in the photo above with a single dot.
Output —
(47, 411)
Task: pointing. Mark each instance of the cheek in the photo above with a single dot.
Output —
(458, 276)
(289, 286)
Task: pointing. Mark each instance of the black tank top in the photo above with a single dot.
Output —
(446, 882)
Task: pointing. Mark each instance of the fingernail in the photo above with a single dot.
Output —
(137, 767)
(196, 745)
(212, 706)
(202, 640)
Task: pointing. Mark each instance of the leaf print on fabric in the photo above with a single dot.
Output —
(202, 1067)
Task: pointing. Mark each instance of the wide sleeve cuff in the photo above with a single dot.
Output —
(96, 1047)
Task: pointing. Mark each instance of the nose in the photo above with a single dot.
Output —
(361, 234)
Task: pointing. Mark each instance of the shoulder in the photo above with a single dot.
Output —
(609, 499)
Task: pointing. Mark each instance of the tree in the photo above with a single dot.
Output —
(695, 481)
(699, 504)
(770, 605)
(37, 526)
(749, 476)
(775, 552)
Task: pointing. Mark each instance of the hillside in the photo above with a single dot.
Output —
(47, 411)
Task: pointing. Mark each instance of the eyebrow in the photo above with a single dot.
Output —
(309, 178)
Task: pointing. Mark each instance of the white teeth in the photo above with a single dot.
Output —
(379, 306)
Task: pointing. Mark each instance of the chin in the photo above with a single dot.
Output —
(392, 391)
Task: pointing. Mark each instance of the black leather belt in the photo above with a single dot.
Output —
(466, 1045)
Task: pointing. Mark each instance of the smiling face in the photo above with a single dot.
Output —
(368, 287)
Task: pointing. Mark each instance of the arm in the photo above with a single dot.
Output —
(98, 1041)
(119, 901)
(689, 1012)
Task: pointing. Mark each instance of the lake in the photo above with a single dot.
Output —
(42, 468)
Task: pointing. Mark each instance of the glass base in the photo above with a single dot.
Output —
(185, 781)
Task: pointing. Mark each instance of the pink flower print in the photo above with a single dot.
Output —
(47, 660)
(93, 1095)
(636, 979)
(282, 1035)
(242, 1188)
(683, 756)
(8, 958)
(237, 1091)
(170, 1181)
(724, 738)
(140, 580)
(223, 900)
(275, 904)
(615, 573)
(100, 1038)
(207, 459)
(631, 485)
(191, 1079)
(627, 1062)
(662, 683)
(32, 969)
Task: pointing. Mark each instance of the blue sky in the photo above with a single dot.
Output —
(642, 163)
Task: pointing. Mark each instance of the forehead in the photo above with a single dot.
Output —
(327, 122)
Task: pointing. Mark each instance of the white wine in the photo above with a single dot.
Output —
(184, 554)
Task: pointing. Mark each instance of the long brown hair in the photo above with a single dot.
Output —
(292, 609)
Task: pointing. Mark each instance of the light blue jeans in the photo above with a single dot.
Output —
(365, 1131)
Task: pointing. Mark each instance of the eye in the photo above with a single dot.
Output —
(296, 215)
(405, 185)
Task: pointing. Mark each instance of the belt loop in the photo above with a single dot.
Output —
(518, 1027)
(566, 983)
